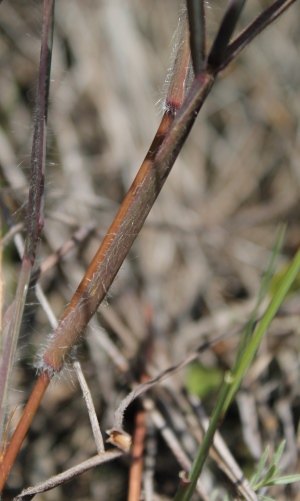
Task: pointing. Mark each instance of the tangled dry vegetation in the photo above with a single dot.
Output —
(195, 269)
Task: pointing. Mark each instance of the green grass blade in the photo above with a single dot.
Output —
(233, 380)
(250, 352)
(263, 290)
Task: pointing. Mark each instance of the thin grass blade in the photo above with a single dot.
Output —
(263, 290)
(262, 327)
(259, 470)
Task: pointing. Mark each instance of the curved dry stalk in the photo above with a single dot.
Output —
(147, 385)
(67, 475)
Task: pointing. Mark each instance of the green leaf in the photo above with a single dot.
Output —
(278, 278)
(262, 463)
(268, 478)
(270, 474)
(279, 452)
(288, 479)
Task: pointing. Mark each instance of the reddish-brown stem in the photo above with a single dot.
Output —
(20, 432)
(139, 434)
(135, 477)
(107, 260)
(126, 226)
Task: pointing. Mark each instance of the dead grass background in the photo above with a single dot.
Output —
(196, 267)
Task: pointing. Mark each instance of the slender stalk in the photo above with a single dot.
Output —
(35, 217)
(35, 209)
(69, 474)
(136, 469)
(197, 33)
(268, 16)
(90, 407)
(227, 26)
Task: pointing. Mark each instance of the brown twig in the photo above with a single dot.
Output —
(31, 407)
(138, 444)
(73, 472)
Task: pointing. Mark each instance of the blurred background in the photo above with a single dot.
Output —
(196, 267)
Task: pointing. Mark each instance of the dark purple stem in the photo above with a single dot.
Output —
(35, 218)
